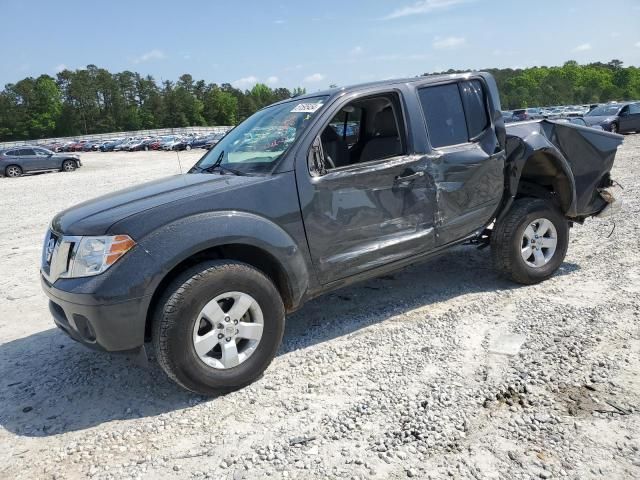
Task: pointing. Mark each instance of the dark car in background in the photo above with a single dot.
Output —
(213, 140)
(200, 142)
(19, 160)
(109, 145)
(616, 117)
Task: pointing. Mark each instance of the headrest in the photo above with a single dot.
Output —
(384, 123)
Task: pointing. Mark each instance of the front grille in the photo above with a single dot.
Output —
(56, 254)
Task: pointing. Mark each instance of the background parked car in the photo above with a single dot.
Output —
(19, 160)
(213, 140)
(616, 117)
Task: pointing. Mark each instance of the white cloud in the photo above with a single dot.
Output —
(272, 80)
(60, 67)
(357, 50)
(448, 42)
(279, 21)
(154, 54)
(638, 44)
(422, 7)
(582, 48)
(316, 77)
(615, 34)
(245, 82)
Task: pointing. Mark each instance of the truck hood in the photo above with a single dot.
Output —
(94, 217)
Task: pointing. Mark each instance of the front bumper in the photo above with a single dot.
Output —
(111, 327)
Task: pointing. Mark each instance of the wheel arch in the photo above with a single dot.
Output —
(536, 168)
(227, 235)
(252, 255)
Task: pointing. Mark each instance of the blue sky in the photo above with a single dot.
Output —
(310, 44)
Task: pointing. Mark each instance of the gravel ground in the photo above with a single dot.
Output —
(443, 370)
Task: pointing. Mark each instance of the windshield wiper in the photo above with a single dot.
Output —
(218, 165)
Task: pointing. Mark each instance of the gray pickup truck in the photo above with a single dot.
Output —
(306, 196)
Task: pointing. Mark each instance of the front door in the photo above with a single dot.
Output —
(630, 118)
(373, 204)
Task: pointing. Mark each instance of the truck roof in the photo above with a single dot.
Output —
(424, 79)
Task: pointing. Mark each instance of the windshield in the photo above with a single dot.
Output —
(256, 144)
(604, 110)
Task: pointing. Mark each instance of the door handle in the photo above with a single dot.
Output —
(406, 178)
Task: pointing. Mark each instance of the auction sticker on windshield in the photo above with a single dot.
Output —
(306, 107)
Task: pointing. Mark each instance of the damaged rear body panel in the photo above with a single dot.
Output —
(575, 161)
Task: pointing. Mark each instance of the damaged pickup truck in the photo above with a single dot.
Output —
(306, 196)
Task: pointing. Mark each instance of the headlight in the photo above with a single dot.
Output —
(93, 255)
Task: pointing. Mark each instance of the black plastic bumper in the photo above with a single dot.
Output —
(111, 327)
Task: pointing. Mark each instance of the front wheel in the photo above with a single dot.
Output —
(68, 166)
(530, 242)
(614, 128)
(218, 326)
(187, 148)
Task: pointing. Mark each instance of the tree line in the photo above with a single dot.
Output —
(570, 84)
(93, 100)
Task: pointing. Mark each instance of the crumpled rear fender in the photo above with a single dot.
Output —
(584, 155)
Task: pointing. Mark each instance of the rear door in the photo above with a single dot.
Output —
(28, 160)
(468, 164)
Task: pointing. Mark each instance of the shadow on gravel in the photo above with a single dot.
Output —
(51, 385)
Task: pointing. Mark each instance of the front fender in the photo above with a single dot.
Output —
(203, 231)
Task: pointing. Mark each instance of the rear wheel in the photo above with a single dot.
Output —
(69, 166)
(218, 326)
(13, 171)
(187, 148)
(529, 244)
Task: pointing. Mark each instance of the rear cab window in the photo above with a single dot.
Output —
(455, 113)
(444, 114)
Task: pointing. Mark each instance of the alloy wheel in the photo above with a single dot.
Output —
(13, 171)
(228, 330)
(539, 242)
(68, 166)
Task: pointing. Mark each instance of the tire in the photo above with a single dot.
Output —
(69, 166)
(187, 148)
(182, 306)
(13, 171)
(614, 128)
(516, 235)
(146, 148)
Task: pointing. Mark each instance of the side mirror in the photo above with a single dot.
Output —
(315, 158)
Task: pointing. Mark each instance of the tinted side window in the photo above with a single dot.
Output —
(27, 151)
(634, 108)
(474, 102)
(11, 153)
(443, 111)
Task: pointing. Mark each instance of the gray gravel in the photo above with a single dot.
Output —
(443, 370)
